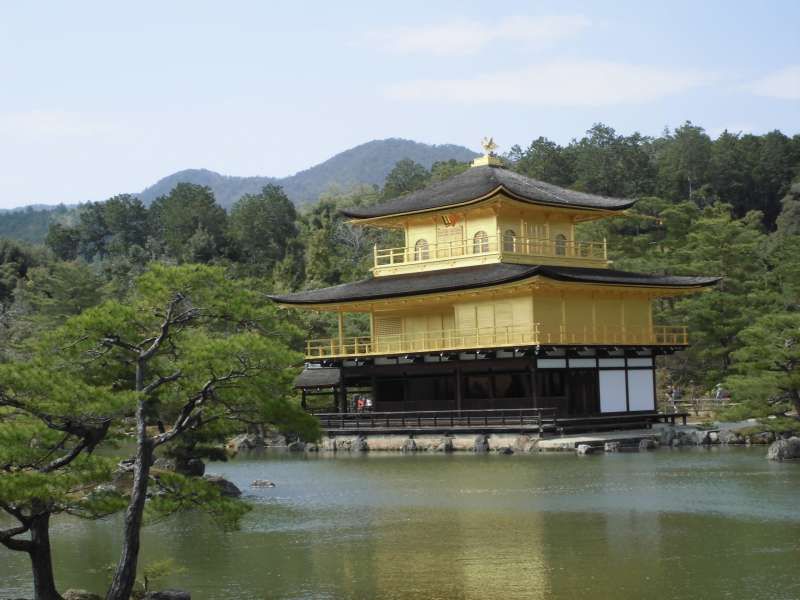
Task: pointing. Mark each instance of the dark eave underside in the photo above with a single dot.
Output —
(449, 280)
(478, 182)
(318, 378)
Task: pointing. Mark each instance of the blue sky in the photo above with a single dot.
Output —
(100, 98)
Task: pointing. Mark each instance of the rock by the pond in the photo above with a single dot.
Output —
(297, 446)
(481, 444)
(193, 467)
(647, 444)
(667, 435)
(584, 449)
(408, 445)
(360, 445)
(312, 447)
(245, 441)
(81, 595)
(764, 437)
(784, 449)
(226, 488)
(444, 445)
(168, 595)
(262, 483)
(612, 446)
(729, 436)
(165, 464)
(505, 450)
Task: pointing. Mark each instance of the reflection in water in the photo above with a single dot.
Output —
(667, 524)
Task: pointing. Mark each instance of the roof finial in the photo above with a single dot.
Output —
(489, 158)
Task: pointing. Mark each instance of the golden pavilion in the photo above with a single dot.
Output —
(491, 314)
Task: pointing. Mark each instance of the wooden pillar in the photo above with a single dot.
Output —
(594, 317)
(459, 392)
(303, 399)
(563, 318)
(341, 331)
(534, 399)
(342, 397)
(573, 246)
(549, 250)
(622, 315)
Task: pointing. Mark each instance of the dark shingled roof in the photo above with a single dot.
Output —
(447, 280)
(317, 378)
(477, 182)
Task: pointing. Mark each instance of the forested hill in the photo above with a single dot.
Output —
(368, 163)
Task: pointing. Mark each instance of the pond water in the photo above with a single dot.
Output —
(719, 523)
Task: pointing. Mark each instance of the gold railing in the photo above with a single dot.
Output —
(497, 245)
(494, 337)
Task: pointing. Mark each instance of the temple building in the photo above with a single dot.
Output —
(491, 311)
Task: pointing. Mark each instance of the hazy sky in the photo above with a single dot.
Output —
(99, 98)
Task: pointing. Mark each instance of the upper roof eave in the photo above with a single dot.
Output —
(479, 183)
(466, 278)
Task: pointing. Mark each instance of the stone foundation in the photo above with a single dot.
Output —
(507, 443)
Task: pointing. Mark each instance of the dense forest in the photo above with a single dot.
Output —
(728, 206)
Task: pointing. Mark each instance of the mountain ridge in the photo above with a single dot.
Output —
(368, 163)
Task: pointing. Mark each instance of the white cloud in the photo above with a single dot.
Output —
(468, 37)
(560, 83)
(783, 84)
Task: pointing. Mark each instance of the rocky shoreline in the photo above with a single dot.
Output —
(668, 436)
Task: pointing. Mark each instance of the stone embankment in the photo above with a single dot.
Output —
(663, 435)
(510, 443)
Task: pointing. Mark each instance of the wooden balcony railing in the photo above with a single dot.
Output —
(493, 337)
(537, 419)
(495, 245)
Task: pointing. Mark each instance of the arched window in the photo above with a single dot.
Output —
(509, 240)
(421, 250)
(480, 243)
(561, 245)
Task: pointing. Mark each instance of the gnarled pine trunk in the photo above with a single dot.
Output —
(125, 575)
(44, 585)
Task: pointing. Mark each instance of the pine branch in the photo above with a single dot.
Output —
(154, 385)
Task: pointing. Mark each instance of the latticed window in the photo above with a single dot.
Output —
(421, 250)
(561, 245)
(480, 242)
(509, 240)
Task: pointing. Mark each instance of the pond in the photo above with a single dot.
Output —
(701, 523)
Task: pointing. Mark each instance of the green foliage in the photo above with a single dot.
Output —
(63, 241)
(31, 224)
(188, 220)
(407, 176)
(15, 260)
(767, 366)
(264, 228)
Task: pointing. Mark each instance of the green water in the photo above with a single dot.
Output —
(701, 524)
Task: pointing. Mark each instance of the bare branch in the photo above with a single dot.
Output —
(187, 417)
(66, 459)
(165, 327)
(154, 385)
(115, 341)
(8, 539)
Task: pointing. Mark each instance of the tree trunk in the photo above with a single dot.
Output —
(44, 585)
(125, 575)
